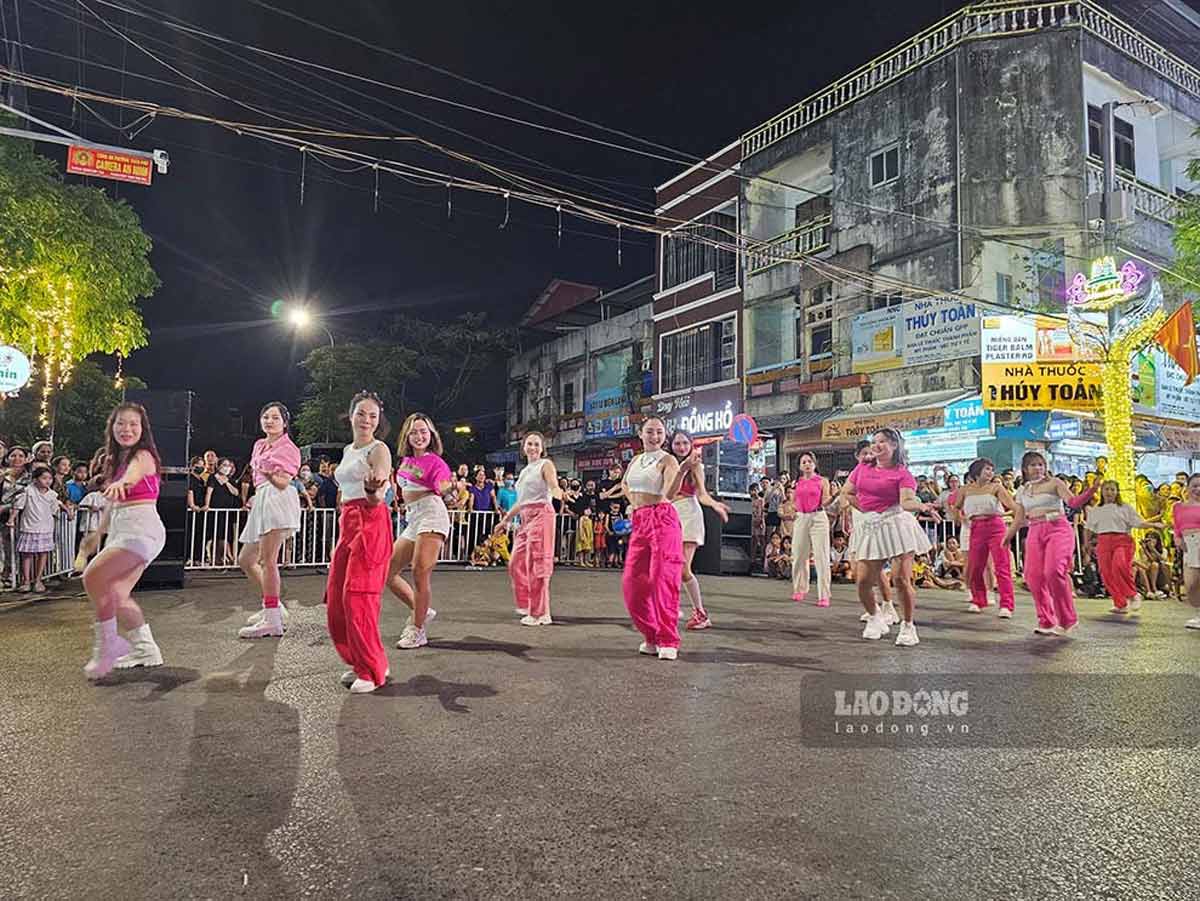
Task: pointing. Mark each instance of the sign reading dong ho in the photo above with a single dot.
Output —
(14, 370)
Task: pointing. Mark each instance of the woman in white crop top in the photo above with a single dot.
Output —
(654, 560)
(359, 567)
(532, 560)
(1111, 523)
(1049, 547)
(981, 504)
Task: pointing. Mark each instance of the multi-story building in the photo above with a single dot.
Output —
(956, 166)
(587, 377)
(698, 311)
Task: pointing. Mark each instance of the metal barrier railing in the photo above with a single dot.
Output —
(59, 563)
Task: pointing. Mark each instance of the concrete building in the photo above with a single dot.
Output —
(587, 376)
(960, 162)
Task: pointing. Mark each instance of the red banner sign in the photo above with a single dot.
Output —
(109, 164)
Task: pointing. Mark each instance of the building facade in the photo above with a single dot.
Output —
(587, 378)
(947, 178)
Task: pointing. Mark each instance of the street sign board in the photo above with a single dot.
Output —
(92, 161)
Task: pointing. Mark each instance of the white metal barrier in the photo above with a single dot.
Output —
(61, 560)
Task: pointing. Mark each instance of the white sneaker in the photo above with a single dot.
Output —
(866, 616)
(430, 616)
(145, 651)
(257, 616)
(1193, 623)
(270, 626)
(908, 636)
(1065, 631)
(646, 648)
(1116, 609)
(412, 637)
(348, 678)
(362, 687)
(106, 651)
(521, 611)
(877, 627)
(668, 653)
(543, 620)
(1045, 630)
(1135, 605)
(890, 617)
(974, 608)
(1004, 613)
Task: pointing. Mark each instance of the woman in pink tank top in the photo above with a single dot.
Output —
(135, 537)
(810, 531)
(1186, 516)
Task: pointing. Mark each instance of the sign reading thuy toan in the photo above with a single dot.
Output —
(1030, 363)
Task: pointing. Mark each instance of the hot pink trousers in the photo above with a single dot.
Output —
(653, 564)
(1049, 552)
(356, 576)
(987, 539)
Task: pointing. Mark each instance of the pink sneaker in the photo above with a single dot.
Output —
(698, 621)
(799, 597)
(824, 602)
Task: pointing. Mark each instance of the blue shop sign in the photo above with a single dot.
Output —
(1059, 428)
(961, 416)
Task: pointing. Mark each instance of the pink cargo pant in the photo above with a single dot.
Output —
(1049, 553)
(653, 564)
(532, 561)
(987, 538)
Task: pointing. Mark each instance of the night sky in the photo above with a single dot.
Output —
(230, 235)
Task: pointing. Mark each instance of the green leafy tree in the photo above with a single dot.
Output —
(80, 413)
(73, 265)
(1187, 239)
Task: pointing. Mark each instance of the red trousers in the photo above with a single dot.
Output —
(1114, 552)
(356, 576)
(653, 565)
(532, 561)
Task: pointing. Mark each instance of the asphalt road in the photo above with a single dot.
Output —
(505, 761)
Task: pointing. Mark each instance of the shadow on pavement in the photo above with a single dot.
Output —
(449, 694)
(475, 644)
(164, 679)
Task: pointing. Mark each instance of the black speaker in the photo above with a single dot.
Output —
(166, 570)
(707, 561)
(170, 415)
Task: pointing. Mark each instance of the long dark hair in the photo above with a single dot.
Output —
(1028, 458)
(118, 457)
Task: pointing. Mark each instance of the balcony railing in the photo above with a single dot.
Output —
(980, 21)
(1147, 199)
(809, 237)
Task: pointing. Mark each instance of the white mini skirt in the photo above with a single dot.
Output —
(1191, 551)
(271, 510)
(426, 514)
(892, 533)
(137, 528)
(691, 517)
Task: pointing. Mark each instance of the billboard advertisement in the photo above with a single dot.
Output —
(915, 332)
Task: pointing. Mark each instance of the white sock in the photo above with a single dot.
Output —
(692, 587)
(141, 633)
(108, 627)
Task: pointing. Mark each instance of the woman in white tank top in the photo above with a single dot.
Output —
(654, 561)
(532, 560)
(981, 504)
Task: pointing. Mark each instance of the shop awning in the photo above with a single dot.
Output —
(915, 411)
(801, 419)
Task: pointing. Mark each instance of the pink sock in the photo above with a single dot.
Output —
(270, 602)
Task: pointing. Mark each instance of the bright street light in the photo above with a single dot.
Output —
(462, 430)
(300, 317)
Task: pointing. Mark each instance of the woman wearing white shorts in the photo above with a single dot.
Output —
(692, 494)
(274, 517)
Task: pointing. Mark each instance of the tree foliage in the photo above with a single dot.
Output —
(80, 414)
(1187, 237)
(415, 364)
(73, 263)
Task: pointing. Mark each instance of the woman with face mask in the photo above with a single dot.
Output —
(223, 500)
(506, 496)
(532, 562)
(274, 517)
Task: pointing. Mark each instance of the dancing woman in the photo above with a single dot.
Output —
(654, 560)
(360, 561)
(424, 480)
(1111, 522)
(532, 562)
(135, 537)
(885, 491)
(274, 517)
(692, 494)
(1050, 546)
(810, 532)
(980, 504)
(1187, 543)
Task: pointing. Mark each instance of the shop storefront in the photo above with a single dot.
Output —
(956, 443)
(594, 463)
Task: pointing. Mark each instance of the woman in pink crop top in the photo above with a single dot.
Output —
(424, 478)
(1187, 542)
(884, 490)
(274, 517)
(135, 537)
(693, 494)
(810, 531)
